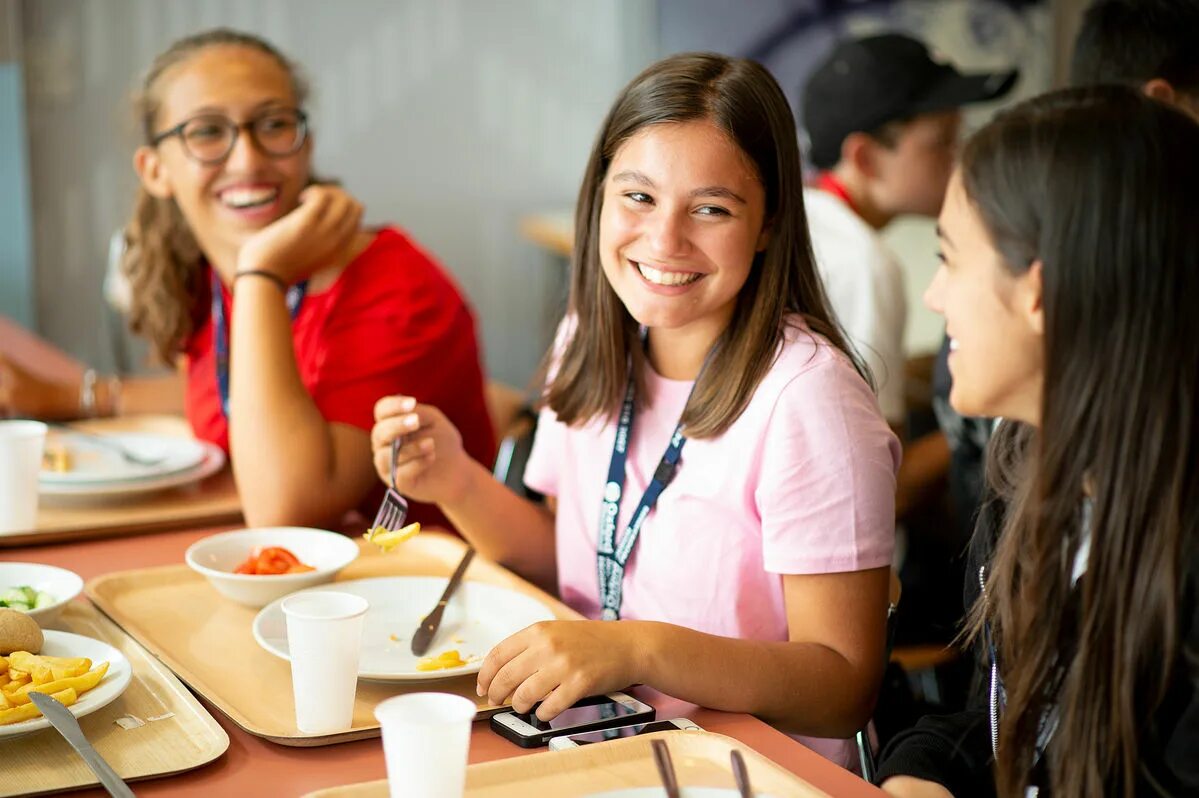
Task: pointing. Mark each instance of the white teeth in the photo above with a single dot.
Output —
(248, 197)
(953, 344)
(666, 278)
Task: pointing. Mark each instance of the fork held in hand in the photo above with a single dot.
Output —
(394, 509)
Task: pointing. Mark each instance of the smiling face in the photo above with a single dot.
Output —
(682, 218)
(224, 203)
(993, 318)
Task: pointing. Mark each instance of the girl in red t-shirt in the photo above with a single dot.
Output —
(292, 318)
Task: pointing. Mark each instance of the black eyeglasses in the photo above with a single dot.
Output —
(211, 137)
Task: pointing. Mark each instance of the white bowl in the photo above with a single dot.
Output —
(217, 555)
(60, 583)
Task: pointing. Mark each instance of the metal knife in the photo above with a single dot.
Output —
(428, 627)
(61, 719)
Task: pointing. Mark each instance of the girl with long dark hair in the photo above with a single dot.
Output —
(722, 478)
(1070, 258)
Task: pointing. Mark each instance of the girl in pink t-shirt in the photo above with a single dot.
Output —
(721, 479)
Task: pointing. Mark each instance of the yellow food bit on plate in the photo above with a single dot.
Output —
(387, 539)
(443, 661)
(56, 459)
(65, 678)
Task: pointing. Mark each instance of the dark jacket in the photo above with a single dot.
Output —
(955, 750)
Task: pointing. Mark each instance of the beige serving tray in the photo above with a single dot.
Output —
(700, 760)
(207, 639)
(184, 737)
(211, 502)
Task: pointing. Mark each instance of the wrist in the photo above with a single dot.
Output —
(643, 640)
(108, 396)
(466, 485)
(259, 276)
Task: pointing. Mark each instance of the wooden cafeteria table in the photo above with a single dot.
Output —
(253, 766)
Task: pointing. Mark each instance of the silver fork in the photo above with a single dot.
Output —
(394, 509)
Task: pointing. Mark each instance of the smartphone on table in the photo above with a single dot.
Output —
(590, 714)
(620, 732)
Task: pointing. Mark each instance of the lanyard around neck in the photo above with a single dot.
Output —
(611, 555)
(220, 330)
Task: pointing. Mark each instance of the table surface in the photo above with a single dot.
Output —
(251, 764)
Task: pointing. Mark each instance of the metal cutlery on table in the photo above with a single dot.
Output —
(61, 719)
(431, 622)
(741, 774)
(104, 441)
(666, 769)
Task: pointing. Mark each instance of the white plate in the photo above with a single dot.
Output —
(95, 461)
(479, 615)
(65, 644)
(214, 460)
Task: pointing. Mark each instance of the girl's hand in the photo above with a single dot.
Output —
(25, 394)
(909, 787)
(431, 466)
(559, 662)
(309, 238)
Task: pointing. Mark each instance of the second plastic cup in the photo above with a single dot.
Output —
(21, 445)
(425, 741)
(324, 638)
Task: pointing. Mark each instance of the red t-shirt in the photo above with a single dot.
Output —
(392, 323)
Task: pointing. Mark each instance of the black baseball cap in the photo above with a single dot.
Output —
(866, 83)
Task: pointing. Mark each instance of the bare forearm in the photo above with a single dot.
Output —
(504, 527)
(925, 464)
(158, 394)
(804, 688)
(281, 446)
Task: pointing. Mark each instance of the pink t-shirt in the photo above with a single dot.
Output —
(802, 483)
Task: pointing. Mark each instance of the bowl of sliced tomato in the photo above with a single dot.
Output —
(256, 566)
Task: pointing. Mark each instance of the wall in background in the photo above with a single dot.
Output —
(16, 256)
(451, 118)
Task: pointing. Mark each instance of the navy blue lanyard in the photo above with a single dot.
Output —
(612, 557)
(220, 331)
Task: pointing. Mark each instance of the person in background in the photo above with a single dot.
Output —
(882, 116)
(1068, 237)
(1152, 45)
(707, 441)
(287, 318)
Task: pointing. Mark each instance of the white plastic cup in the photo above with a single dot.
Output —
(426, 737)
(21, 446)
(324, 638)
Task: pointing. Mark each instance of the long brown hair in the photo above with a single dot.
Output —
(742, 99)
(162, 259)
(1099, 186)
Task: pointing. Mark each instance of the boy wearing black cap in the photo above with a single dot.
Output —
(882, 118)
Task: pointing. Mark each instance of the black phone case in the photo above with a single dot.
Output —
(542, 739)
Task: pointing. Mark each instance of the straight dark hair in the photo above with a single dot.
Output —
(1134, 41)
(1098, 185)
(741, 98)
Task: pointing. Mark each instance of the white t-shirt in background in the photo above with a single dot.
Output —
(864, 284)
